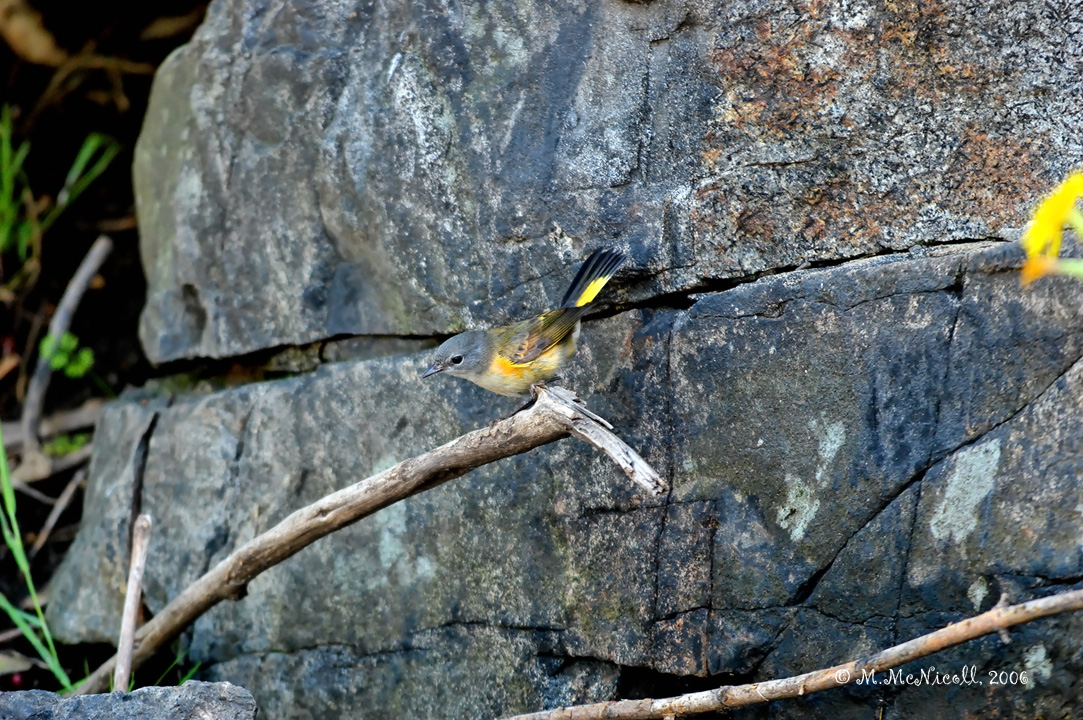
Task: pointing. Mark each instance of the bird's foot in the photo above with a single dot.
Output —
(529, 404)
(541, 384)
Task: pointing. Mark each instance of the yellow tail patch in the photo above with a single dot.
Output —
(592, 290)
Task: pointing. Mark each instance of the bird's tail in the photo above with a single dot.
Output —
(592, 277)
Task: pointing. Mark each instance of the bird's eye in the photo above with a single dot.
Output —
(456, 359)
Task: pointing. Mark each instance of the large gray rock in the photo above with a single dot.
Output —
(113, 499)
(841, 483)
(308, 169)
(191, 701)
(859, 452)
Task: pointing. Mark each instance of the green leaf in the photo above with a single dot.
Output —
(16, 164)
(65, 444)
(48, 346)
(68, 342)
(80, 364)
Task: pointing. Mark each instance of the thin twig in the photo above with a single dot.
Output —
(41, 497)
(132, 597)
(594, 430)
(70, 460)
(862, 669)
(66, 73)
(172, 25)
(52, 466)
(9, 635)
(37, 320)
(65, 421)
(33, 464)
(24, 32)
(59, 507)
(550, 419)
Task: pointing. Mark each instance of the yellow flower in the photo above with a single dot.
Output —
(1038, 266)
(1042, 239)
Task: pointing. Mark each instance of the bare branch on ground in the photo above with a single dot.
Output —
(993, 621)
(133, 596)
(34, 465)
(556, 414)
(65, 421)
(22, 29)
(59, 507)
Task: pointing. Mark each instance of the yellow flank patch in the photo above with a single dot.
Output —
(592, 291)
(506, 368)
(508, 378)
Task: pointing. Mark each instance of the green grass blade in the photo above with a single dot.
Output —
(79, 181)
(30, 618)
(11, 163)
(90, 146)
(188, 675)
(16, 164)
(13, 540)
(16, 616)
(7, 173)
(46, 654)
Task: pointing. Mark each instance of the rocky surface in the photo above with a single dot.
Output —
(191, 701)
(860, 451)
(308, 168)
(835, 491)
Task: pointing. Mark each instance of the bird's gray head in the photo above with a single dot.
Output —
(462, 355)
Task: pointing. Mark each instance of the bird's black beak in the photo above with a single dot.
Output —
(437, 367)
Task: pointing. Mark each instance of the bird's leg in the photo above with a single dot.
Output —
(542, 384)
(534, 387)
(529, 404)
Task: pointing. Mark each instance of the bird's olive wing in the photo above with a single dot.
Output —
(527, 340)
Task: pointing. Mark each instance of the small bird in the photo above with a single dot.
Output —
(514, 359)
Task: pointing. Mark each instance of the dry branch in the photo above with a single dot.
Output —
(65, 421)
(59, 507)
(34, 465)
(594, 430)
(24, 32)
(555, 415)
(732, 696)
(132, 600)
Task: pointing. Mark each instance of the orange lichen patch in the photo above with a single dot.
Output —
(836, 138)
(842, 211)
(710, 157)
(753, 222)
(775, 85)
(924, 56)
(996, 175)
